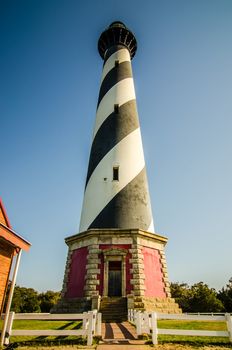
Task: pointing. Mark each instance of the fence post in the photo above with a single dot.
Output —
(90, 328)
(6, 340)
(99, 323)
(135, 318)
(229, 325)
(132, 315)
(85, 322)
(94, 321)
(154, 328)
(139, 323)
(149, 321)
(146, 328)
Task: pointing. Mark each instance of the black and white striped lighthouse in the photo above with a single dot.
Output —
(116, 193)
(116, 253)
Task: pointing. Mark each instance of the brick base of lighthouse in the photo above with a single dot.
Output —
(116, 263)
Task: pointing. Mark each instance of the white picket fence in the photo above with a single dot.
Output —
(91, 325)
(146, 322)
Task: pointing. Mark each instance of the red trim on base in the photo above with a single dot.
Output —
(76, 278)
(153, 273)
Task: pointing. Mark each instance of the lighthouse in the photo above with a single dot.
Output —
(116, 260)
(116, 193)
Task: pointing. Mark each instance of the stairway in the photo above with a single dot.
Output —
(113, 309)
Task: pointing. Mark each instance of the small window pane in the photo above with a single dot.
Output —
(116, 173)
(116, 109)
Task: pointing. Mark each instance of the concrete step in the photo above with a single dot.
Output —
(113, 309)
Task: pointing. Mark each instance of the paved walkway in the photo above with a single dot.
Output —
(123, 330)
(123, 347)
(120, 336)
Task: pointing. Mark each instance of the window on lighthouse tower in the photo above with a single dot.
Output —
(115, 173)
(116, 108)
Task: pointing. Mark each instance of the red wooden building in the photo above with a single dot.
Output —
(11, 246)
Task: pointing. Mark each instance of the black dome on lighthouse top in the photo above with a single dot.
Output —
(117, 24)
(117, 34)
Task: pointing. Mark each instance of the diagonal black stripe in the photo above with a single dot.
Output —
(113, 130)
(116, 74)
(129, 209)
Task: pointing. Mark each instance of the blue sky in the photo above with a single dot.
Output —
(50, 75)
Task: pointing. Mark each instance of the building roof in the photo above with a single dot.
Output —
(3, 215)
(6, 232)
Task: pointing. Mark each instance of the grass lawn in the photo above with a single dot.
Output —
(43, 340)
(197, 325)
(194, 325)
(163, 339)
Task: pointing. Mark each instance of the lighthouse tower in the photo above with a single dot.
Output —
(116, 193)
(116, 254)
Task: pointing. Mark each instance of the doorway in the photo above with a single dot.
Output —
(115, 279)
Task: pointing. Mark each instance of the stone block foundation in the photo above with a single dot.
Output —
(120, 263)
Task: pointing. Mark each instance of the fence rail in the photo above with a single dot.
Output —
(91, 325)
(207, 313)
(146, 322)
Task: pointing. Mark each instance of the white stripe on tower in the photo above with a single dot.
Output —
(120, 93)
(116, 193)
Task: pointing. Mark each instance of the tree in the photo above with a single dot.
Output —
(25, 300)
(204, 299)
(181, 293)
(48, 299)
(29, 300)
(225, 295)
(197, 298)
